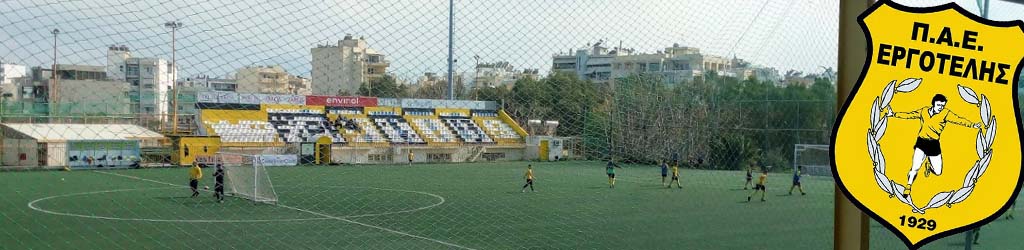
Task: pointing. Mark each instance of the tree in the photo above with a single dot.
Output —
(385, 86)
(497, 94)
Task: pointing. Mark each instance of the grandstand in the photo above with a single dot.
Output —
(450, 130)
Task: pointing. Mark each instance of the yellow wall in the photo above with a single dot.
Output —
(511, 123)
(195, 145)
(397, 110)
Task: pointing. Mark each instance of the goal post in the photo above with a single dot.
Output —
(246, 177)
(815, 158)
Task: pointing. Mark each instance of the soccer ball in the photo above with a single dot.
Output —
(206, 187)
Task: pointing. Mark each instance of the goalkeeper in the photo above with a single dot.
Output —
(218, 187)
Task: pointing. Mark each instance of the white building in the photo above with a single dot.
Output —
(499, 74)
(9, 76)
(343, 67)
(672, 65)
(206, 82)
(593, 63)
(80, 90)
(270, 80)
(10, 71)
(151, 80)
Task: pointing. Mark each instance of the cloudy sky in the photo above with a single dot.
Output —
(220, 36)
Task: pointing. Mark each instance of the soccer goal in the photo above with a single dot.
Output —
(246, 177)
(815, 158)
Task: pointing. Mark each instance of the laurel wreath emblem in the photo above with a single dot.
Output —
(986, 136)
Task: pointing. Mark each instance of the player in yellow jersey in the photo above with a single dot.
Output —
(529, 178)
(760, 187)
(675, 176)
(411, 157)
(933, 121)
(194, 175)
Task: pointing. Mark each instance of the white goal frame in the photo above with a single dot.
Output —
(225, 158)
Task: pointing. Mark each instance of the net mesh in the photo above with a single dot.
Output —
(357, 93)
(815, 159)
(246, 177)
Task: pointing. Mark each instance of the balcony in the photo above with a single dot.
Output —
(379, 63)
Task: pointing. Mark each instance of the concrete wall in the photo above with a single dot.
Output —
(14, 148)
(91, 97)
(422, 154)
(503, 154)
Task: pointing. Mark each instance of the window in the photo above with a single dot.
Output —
(371, 71)
(149, 109)
(149, 70)
(148, 86)
(120, 68)
(135, 82)
(680, 65)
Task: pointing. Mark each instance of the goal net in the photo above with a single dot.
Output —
(246, 177)
(814, 157)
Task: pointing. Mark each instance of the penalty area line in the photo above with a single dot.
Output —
(311, 212)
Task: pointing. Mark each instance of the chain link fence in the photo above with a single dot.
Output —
(343, 108)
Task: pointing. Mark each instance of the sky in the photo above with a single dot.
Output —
(221, 36)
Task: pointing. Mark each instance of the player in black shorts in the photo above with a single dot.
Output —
(194, 175)
(610, 169)
(750, 176)
(760, 185)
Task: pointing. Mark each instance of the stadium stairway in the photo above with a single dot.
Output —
(475, 154)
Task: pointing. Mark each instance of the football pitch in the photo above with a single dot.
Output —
(432, 206)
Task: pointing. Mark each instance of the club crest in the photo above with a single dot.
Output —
(929, 141)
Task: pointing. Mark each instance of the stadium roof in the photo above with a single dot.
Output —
(47, 132)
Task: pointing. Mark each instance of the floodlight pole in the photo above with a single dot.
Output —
(850, 230)
(451, 17)
(53, 87)
(174, 83)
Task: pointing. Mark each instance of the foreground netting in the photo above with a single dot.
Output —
(333, 123)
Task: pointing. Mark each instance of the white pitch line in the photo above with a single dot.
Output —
(33, 206)
(395, 212)
(313, 213)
